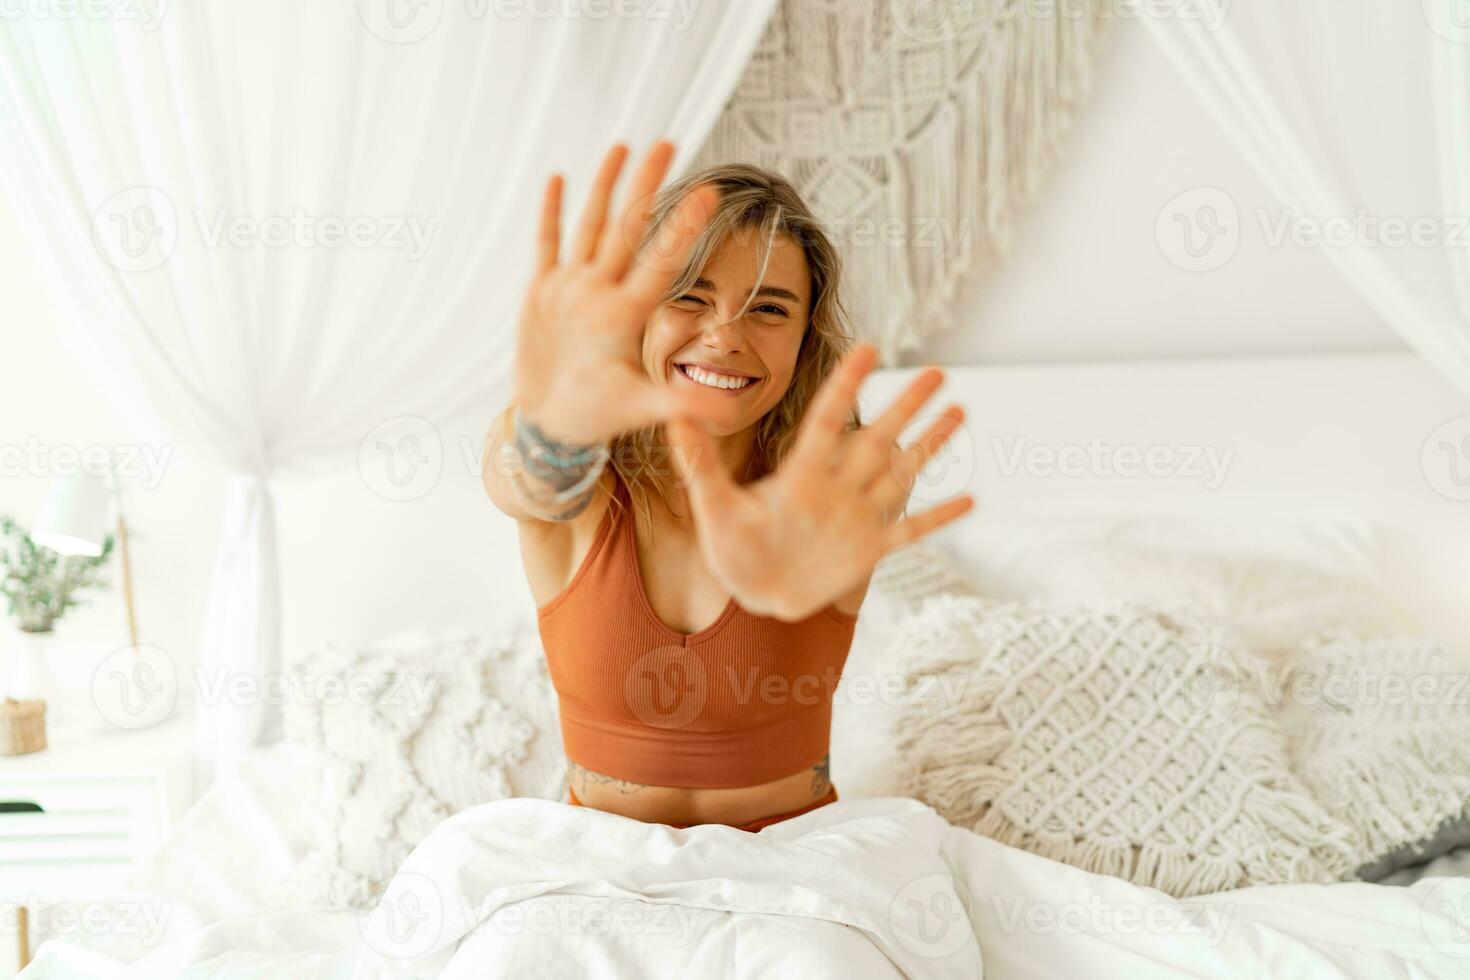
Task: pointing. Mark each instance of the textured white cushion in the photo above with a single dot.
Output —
(430, 724)
(1380, 732)
(1118, 739)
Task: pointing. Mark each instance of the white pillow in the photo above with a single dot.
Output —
(1276, 582)
(1117, 739)
(1380, 733)
(416, 728)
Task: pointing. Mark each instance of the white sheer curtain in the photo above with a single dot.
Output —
(284, 223)
(1358, 116)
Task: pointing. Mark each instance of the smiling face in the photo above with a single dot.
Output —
(701, 339)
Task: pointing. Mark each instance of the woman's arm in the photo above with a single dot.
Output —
(525, 491)
(579, 378)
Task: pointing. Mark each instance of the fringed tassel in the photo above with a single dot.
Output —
(937, 142)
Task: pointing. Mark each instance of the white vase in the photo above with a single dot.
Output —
(29, 676)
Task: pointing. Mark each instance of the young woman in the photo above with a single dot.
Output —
(699, 508)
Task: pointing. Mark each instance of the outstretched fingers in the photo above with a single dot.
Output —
(911, 529)
(548, 243)
(594, 212)
(868, 455)
(891, 486)
(826, 419)
(620, 238)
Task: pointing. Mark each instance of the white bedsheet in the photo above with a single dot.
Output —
(860, 888)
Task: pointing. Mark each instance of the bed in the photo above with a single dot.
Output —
(1302, 446)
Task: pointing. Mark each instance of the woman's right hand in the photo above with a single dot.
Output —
(579, 374)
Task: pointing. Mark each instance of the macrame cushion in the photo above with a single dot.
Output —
(1380, 733)
(1113, 738)
(429, 725)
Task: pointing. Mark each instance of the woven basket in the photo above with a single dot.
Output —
(22, 726)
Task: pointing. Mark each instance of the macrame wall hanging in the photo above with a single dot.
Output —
(915, 129)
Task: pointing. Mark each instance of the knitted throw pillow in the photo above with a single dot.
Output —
(408, 732)
(1113, 738)
(1380, 733)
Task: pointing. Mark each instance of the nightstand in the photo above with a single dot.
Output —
(107, 798)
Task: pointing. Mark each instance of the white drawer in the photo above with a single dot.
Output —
(90, 831)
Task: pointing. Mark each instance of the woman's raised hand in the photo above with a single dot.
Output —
(578, 367)
(789, 544)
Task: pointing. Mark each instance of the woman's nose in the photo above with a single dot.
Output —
(723, 333)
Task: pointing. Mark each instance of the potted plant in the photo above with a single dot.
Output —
(39, 586)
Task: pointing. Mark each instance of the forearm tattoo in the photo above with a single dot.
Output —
(822, 775)
(553, 473)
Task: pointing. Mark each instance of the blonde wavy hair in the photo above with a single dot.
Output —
(750, 197)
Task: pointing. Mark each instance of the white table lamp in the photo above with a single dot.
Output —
(73, 521)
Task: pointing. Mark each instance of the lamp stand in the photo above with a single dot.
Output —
(127, 578)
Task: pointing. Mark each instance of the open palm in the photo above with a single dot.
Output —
(787, 545)
(578, 366)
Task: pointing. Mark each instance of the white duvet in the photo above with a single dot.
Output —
(877, 887)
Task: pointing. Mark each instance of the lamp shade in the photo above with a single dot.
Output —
(73, 519)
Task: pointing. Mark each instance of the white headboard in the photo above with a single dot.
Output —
(1232, 441)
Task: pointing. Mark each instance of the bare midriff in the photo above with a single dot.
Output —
(679, 805)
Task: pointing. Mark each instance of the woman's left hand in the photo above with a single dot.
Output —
(787, 545)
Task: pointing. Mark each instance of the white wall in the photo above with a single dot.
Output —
(1087, 281)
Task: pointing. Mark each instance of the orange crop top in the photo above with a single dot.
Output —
(744, 701)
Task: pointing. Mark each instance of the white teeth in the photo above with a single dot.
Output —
(713, 380)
